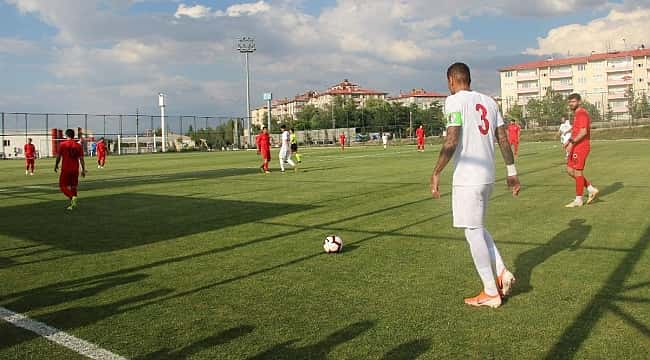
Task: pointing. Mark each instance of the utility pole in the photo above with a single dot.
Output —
(161, 103)
(246, 46)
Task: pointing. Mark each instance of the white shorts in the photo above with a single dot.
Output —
(565, 138)
(469, 204)
(285, 154)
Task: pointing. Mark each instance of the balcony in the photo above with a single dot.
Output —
(528, 90)
(616, 95)
(620, 109)
(619, 67)
(623, 81)
(560, 74)
(527, 77)
(562, 87)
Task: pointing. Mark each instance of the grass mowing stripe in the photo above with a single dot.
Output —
(75, 344)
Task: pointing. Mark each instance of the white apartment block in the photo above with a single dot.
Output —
(601, 79)
(420, 97)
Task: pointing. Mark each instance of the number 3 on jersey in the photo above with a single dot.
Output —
(485, 127)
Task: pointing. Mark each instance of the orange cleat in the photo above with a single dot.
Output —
(484, 299)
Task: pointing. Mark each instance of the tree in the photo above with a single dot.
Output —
(516, 112)
(592, 109)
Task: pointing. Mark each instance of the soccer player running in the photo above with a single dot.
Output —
(578, 148)
(294, 145)
(342, 141)
(473, 124)
(384, 140)
(73, 156)
(101, 153)
(419, 133)
(264, 149)
(285, 149)
(30, 156)
(513, 136)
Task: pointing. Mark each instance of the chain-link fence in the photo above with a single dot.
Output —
(124, 134)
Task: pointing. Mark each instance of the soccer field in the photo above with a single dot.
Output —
(199, 255)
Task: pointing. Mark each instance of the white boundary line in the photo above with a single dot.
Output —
(75, 344)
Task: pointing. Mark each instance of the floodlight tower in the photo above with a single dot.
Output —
(161, 104)
(246, 45)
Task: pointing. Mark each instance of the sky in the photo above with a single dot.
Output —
(115, 56)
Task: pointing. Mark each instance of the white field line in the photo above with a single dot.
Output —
(75, 344)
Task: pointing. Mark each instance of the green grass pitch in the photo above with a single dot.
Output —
(199, 255)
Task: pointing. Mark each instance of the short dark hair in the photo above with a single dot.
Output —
(29, 139)
(263, 127)
(291, 129)
(575, 96)
(69, 133)
(283, 126)
(460, 72)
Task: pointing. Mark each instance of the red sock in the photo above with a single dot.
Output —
(587, 183)
(580, 185)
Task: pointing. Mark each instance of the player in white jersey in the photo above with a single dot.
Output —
(285, 149)
(565, 132)
(473, 125)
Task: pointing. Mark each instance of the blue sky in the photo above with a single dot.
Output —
(115, 55)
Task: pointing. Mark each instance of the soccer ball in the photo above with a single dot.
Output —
(333, 244)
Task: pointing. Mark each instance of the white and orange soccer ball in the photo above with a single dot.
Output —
(333, 244)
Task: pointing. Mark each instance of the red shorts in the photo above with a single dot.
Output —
(266, 154)
(420, 141)
(577, 160)
(69, 179)
(30, 162)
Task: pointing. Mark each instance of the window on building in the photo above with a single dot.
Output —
(639, 65)
(582, 67)
(640, 80)
(6, 143)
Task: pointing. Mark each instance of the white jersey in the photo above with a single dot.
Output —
(384, 138)
(285, 141)
(565, 130)
(478, 116)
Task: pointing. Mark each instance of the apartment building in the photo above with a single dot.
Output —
(420, 97)
(601, 78)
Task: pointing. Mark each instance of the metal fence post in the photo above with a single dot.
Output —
(47, 134)
(119, 138)
(85, 125)
(180, 117)
(26, 129)
(104, 134)
(137, 130)
(3, 135)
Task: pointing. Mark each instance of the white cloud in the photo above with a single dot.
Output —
(13, 46)
(598, 35)
(245, 9)
(195, 12)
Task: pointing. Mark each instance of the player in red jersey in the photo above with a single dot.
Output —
(73, 156)
(263, 141)
(342, 141)
(578, 148)
(30, 155)
(420, 135)
(513, 136)
(101, 153)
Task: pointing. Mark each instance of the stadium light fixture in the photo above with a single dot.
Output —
(246, 45)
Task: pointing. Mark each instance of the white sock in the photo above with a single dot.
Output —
(281, 163)
(590, 188)
(481, 256)
(291, 162)
(495, 256)
(579, 199)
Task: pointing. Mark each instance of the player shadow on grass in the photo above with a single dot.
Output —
(122, 221)
(221, 338)
(72, 316)
(567, 239)
(319, 350)
(409, 350)
(610, 189)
